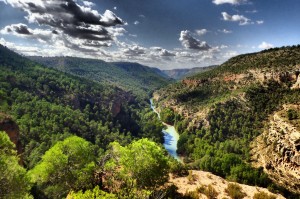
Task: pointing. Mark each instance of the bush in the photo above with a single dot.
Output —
(235, 191)
(263, 195)
(209, 191)
(292, 114)
(178, 169)
(191, 177)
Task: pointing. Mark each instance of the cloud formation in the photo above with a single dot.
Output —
(189, 42)
(236, 18)
(70, 18)
(265, 45)
(233, 2)
(201, 32)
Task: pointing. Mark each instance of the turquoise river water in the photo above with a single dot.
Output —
(171, 136)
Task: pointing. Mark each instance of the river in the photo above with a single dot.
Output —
(171, 136)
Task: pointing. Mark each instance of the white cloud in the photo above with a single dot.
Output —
(88, 3)
(136, 22)
(189, 42)
(259, 22)
(265, 45)
(225, 31)
(236, 18)
(115, 8)
(233, 2)
(201, 32)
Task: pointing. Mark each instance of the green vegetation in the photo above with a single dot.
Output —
(263, 195)
(209, 191)
(138, 79)
(232, 112)
(275, 58)
(292, 114)
(14, 182)
(66, 166)
(138, 168)
(96, 193)
(235, 191)
(81, 134)
(167, 115)
(50, 107)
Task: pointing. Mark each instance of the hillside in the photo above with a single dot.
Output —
(138, 79)
(48, 105)
(219, 113)
(182, 73)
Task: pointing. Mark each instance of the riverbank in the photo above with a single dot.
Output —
(171, 136)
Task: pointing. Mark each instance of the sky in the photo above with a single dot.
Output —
(166, 34)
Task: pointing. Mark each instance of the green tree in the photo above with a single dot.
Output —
(68, 165)
(96, 193)
(14, 183)
(139, 167)
(167, 115)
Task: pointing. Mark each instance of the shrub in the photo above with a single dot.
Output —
(191, 177)
(263, 195)
(209, 191)
(292, 114)
(235, 191)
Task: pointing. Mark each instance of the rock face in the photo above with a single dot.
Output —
(297, 84)
(12, 130)
(278, 150)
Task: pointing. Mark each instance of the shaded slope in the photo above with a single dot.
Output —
(138, 79)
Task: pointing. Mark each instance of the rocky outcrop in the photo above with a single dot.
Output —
(193, 82)
(297, 84)
(11, 128)
(116, 106)
(204, 179)
(278, 151)
(117, 102)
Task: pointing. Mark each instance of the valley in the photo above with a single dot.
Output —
(239, 123)
(158, 99)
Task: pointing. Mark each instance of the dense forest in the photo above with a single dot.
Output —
(65, 126)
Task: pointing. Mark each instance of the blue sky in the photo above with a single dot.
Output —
(160, 33)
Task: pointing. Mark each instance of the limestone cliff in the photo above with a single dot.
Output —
(278, 149)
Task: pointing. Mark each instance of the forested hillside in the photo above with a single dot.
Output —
(138, 79)
(41, 106)
(219, 113)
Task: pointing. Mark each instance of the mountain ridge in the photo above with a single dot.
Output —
(139, 79)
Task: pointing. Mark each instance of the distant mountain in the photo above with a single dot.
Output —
(140, 80)
(138, 70)
(184, 72)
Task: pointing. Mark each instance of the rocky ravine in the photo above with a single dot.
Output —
(278, 150)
